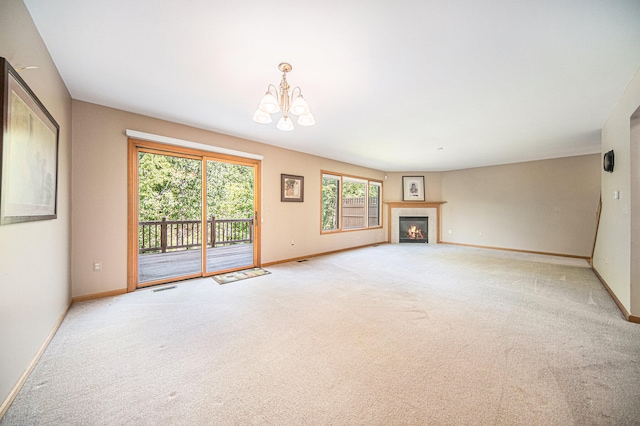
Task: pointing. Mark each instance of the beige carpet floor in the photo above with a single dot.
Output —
(388, 335)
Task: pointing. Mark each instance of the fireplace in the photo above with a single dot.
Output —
(412, 208)
(413, 229)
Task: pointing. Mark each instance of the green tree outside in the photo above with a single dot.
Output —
(171, 187)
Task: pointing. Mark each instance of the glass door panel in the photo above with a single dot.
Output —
(230, 201)
(169, 218)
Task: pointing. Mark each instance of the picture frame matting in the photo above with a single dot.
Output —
(292, 188)
(412, 188)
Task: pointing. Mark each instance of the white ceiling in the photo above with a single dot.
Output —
(389, 82)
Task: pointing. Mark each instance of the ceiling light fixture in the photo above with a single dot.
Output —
(274, 101)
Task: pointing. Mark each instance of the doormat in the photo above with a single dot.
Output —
(239, 275)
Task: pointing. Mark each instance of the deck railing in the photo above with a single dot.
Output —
(171, 235)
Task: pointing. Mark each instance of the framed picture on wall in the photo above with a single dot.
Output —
(292, 188)
(412, 188)
(29, 152)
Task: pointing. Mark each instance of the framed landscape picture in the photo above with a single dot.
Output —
(412, 188)
(292, 188)
(29, 152)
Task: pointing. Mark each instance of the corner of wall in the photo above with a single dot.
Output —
(614, 258)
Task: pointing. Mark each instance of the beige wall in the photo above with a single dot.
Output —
(100, 195)
(432, 185)
(547, 206)
(34, 257)
(554, 201)
(612, 257)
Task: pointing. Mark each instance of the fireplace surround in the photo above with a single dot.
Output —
(395, 209)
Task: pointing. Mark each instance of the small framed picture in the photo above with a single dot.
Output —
(412, 188)
(292, 188)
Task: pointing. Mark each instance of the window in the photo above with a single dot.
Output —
(350, 203)
(375, 191)
(330, 209)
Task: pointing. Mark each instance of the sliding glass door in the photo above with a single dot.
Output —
(191, 214)
(169, 217)
(230, 215)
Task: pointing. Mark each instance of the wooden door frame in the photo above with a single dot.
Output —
(134, 145)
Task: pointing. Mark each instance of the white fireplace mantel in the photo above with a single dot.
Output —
(413, 208)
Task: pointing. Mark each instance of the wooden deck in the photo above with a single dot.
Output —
(159, 266)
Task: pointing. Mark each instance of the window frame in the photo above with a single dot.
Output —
(341, 178)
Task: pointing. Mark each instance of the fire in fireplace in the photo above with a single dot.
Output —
(414, 229)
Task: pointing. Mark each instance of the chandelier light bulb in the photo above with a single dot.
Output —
(299, 106)
(306, 120)
(269, 104)
(262, 117)
(285, 124)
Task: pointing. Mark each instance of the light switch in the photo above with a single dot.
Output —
(616, 195)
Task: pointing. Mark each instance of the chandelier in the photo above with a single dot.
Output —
(274, 101)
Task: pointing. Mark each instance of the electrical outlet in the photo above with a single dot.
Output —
(97, 266)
